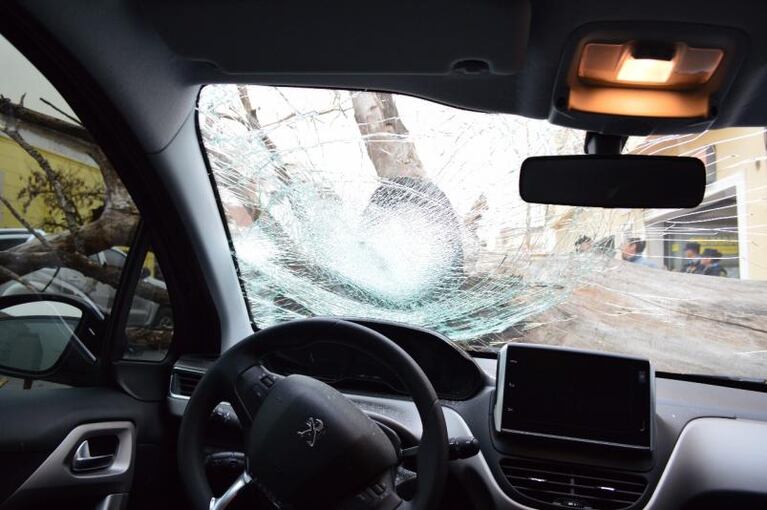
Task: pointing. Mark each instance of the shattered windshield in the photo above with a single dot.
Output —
(374, 205)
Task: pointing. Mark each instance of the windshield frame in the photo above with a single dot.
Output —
(486, 351)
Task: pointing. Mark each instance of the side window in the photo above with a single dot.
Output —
(66, 226)
(149, 329)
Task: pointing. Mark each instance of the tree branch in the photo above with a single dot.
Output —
(73, 132)
(112, 228)
(62, 112)
(255, 125)
(24, 223)
(7, 274)
(25, 263)
(65, 203)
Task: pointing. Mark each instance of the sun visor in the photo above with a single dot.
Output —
(485, 36)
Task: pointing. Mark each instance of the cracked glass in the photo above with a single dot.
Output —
(374, 205)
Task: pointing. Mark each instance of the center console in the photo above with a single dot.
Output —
(573, 429)
(574, 396)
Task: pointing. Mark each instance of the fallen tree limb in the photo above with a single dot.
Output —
(27, 262)
(683, 322)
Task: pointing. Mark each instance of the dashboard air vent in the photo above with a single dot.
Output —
(573, 486)
(184, 382)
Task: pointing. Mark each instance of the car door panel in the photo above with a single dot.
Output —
(37, 447)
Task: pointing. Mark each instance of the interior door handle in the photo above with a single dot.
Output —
(84, 461)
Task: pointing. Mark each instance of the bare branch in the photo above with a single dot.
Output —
(115, 225)
(119, 216)
(75, 133)
(62, 112)
(116, 196)
(312, 113)
(7, 274)
(255, 125)
(24, 222)
(65, 203)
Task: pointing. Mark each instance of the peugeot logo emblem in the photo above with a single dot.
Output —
(315, 428)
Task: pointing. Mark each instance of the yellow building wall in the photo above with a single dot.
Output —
(16, 165)
(742, 152)
(756, 216)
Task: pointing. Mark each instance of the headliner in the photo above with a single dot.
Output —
(151, 57)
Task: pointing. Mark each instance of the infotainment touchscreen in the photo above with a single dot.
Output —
(574, 395)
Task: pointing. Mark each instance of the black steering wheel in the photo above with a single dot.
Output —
(307, 445)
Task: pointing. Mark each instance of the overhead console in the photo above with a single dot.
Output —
(574, 396)
(642, 77)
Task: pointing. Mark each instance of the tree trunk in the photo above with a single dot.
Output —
(683, 322)
(385, 135)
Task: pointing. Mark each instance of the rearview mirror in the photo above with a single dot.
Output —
(38, 331)
(614, 181)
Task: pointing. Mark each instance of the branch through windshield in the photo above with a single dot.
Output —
(374, 205)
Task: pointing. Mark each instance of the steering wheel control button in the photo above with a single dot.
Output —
(224, 415)
(462, 447)
(253, 385)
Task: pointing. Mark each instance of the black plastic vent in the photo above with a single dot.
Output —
(573, 486)
(183, 382)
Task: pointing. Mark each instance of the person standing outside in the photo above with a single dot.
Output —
(584, 244)
(633, 251)
(691, 258)
(710, 263)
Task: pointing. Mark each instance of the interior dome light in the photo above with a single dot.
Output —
(648, 79)
(645, 70)
(672, 66)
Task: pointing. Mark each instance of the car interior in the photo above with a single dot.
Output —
(418, 255)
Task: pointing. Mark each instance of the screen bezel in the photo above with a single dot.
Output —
(501, 371)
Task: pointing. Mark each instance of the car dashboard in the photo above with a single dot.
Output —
(707, 447)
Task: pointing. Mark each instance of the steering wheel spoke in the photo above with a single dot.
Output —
(380, 495)
(227, 497)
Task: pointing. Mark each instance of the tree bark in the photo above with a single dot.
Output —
(254, 124)
(386, 137)
(112, 228)
(683, 322)
(30, 262)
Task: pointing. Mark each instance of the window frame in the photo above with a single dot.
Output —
(187, 288)
(222, 212)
